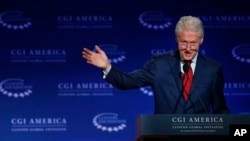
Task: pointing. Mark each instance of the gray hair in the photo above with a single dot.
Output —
(189, 23)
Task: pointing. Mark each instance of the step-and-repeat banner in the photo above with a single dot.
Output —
(48, 91)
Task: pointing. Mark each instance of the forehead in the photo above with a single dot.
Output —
(189, 35)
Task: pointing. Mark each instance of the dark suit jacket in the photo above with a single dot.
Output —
(163, 73)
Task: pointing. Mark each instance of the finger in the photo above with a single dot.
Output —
(86, 55)
(87, 58)
(98, 49)
(86, 51)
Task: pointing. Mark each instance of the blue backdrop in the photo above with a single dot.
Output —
(48, 91)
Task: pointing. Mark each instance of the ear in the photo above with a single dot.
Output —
(201, 41)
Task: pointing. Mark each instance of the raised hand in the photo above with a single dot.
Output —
(98, 58)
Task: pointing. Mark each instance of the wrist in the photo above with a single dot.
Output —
(107, 68)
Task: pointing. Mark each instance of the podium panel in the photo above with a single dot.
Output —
(182, 127)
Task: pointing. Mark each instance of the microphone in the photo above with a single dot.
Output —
(202, 103)
(185, 69)
(180, 95)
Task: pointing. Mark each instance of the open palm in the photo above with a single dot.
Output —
(98, 58)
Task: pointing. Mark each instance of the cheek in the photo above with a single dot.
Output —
(195, 49)
(182, 52)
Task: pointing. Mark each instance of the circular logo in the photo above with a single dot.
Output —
(15, 88)
(154, 20)
(14, 20)
(109, 122)
(241, 53)
(147, 91)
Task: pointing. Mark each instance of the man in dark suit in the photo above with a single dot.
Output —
(163, 72)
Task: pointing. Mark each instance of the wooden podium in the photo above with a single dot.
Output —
(188, 127)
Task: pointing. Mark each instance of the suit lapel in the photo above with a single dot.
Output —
(176, 71)
(174, 64)
(177, 75)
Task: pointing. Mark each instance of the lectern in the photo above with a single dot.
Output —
(188, 127)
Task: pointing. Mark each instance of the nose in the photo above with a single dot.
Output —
(188, 46)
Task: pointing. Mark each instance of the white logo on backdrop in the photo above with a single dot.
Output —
(147, 91)
(15, 87)
(84, 21)
(84, 89)
(38, 124)
(49, 55)
(109, 122)
(237, 88)
(225, 21)
(242, 53)
(14, 20)
(155, 20)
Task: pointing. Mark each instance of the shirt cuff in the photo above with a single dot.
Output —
(106, 71)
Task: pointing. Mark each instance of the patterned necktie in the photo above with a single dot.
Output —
(187, 79)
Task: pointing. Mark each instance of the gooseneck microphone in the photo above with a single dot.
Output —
(185, 69)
